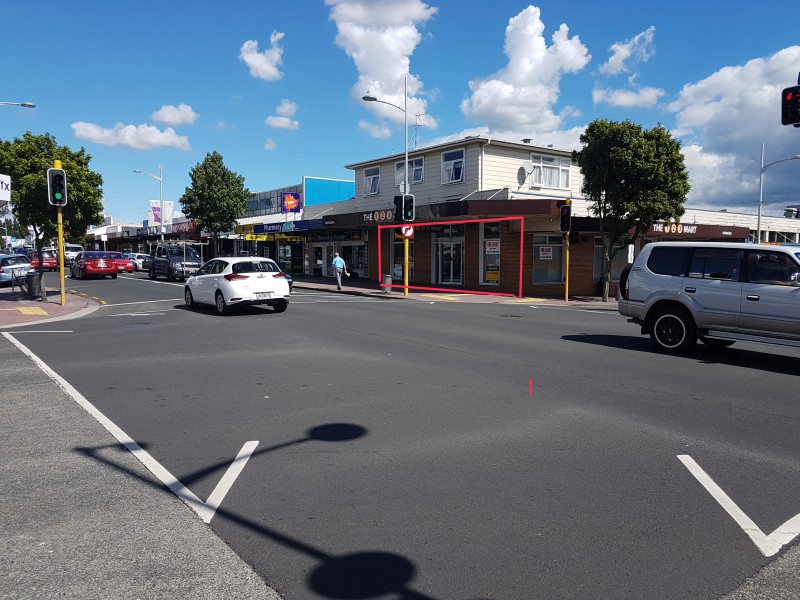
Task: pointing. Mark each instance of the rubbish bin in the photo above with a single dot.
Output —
(387, 282)
(33, 280)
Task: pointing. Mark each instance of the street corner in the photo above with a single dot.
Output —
(18, 309)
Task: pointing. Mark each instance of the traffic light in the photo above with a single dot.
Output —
(790, 106)
(398, 209)
(566, 218)
(57, 187)
(408, 207)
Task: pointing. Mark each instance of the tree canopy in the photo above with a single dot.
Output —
(217, 196)
(633, 177)
(26, 160)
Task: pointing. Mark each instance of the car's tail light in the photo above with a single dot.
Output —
(234, 276)
(280, 275)
(1, 270)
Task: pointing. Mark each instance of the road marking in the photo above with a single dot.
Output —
(146, 302)
(218, 495)
(28, 310)
(768, 544)
(205, 510)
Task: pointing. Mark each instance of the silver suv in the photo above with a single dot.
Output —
(175, 261)
(715, 291)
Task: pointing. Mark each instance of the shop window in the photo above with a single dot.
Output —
(415, 171)
(548, 259)
(372, 181)
(621, 260)
(453, 166)
(490, 253)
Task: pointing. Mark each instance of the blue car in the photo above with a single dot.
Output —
(13, 265)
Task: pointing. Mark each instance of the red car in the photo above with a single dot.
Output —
(123, 262)
(93, 263)
(49, 260)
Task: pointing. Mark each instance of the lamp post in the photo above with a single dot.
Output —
(22, 104)
(761, 187)
(369, 98)
(159, 178)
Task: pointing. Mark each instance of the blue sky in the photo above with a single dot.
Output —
(276, 86)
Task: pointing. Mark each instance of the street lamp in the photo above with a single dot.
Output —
(22, 104)
(369, 98)
(761, 187)
(158, 177)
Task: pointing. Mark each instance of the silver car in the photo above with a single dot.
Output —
(679, 292)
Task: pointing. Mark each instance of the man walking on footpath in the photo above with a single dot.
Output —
(339, 267)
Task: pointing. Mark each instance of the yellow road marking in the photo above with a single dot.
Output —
(28, 310)
(449, 297)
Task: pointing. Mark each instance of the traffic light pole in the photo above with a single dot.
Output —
(57, 165)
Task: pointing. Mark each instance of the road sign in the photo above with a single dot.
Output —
(407, 231)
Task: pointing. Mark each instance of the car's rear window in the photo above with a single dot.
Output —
(255, 267)
(669, 260)
(14, 260)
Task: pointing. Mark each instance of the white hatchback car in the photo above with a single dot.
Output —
(231, 281)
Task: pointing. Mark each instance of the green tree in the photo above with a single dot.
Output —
(26, 160)
(216, 198)
(632, 177)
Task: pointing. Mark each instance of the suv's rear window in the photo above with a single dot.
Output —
(255, 267)
(669, 260)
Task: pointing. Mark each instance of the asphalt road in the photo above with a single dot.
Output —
(435, 450)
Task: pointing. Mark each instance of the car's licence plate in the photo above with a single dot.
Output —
(263, 295)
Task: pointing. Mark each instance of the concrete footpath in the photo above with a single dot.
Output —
(81, 518)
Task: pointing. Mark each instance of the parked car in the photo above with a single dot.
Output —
(141, 262)
(175, 261)
(679, 292)
(124, 264)
(49, 260)
(233, 281)
(13, 266)
(93, 263)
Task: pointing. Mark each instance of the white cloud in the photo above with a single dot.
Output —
(380, 37)
(642, 98)
(282, 122)
(264, 65)
(270, 144)
(724, 118)
(626, 55)
(375, 130)
(520, 96)
(137, 137)
(175, 115)
(286, 109)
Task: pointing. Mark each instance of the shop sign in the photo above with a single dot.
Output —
(256, 237)
(243, 229)
(268, 228)
(378, 216)
(289, 239)
(291, 202)
(492, 246)
(183, 227)
(545, 253)
(433, 228)
(492, 274)
(674, 228)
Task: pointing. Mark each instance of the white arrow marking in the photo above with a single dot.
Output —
(205, 510)
(215, 499)
(768, 544)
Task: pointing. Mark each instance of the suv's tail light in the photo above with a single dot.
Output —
(280, 275)
(234, 276)
(625, 290)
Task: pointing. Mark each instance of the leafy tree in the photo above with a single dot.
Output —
(632, 177)
(216, 198)
(26, 160)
